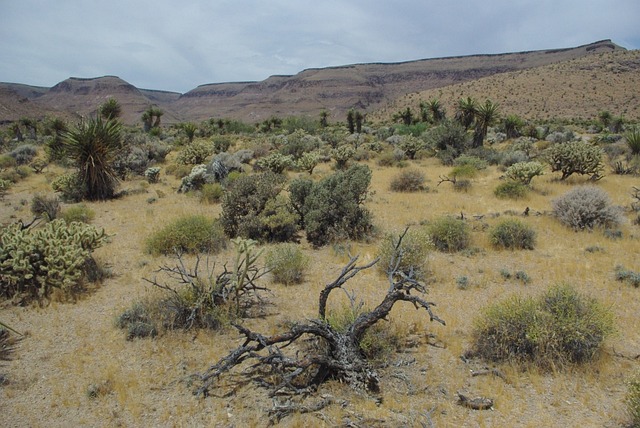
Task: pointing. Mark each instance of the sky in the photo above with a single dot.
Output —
(177, 45)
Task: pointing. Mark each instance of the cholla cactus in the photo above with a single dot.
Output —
(275, 162)
(342, 155)
(34, 262)
(4, 187)
(308, 161)
(523, 172)
(152, 174)
(197, 178)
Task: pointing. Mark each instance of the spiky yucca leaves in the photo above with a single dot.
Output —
(94, 146)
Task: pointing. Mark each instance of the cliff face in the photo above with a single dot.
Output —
(334, 89)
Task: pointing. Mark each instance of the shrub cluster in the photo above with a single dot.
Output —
(558, 328)
(512, 234)
(35, 262)
(586, 207)
(449, 234)
(409, 180)
(511, 190)
(287, 263)
(189, 234)
(414, 247)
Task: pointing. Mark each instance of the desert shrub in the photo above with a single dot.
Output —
(287, 263)
(157, 150)
(194, 153)
(630, 277)
(252, 209)
(558, 328)
(197, 178)
(4, 187)
(449, 234)
(511, 190)
(333, 210)
(465, 171)
(221, 143)
(224, 164)
(512, 234)
(70, 187)
(138, 321)
(43, 205)
(298, 143)
(80, 213)
(378, 342)
(586, 207)
(93, 146)
(450, 137)
(474, 161)
(36, 262)
(632, 400)
(211, 193)
(409, 180)
(275, 162)
(415, 247)
(188, 234)
(179, 171)
(7, 161)
(411, 145)
(524, 172)
(512, 157)
(24, 153)
(576, 157)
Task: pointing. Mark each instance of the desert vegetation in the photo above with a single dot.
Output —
(290, 270)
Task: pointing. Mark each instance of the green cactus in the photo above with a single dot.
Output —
(34, 262)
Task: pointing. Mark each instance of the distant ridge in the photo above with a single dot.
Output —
(368, 87)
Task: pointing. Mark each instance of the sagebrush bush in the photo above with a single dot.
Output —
(287, 263)
(415, 248)
(558, 328)
(511, 190)
(80, 212)
(512, 234)
(586, 207)
(45, 205)
(449, 234)
(36, 262)
(409, 180)
(188, 234)
(24, 153)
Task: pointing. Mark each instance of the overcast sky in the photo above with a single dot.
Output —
(178, 45)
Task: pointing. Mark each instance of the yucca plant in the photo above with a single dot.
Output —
(94, 146)
(633, 140)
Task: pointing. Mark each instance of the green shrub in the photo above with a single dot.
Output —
(558, 328)
(511, 190)
(70, 187)
(465, 171)
(411, 145)
(189, 234)
(48, 206)
(415, 247)
(632, 401)
(586, 207)
(449, 234)
(35, 262)
(287, 263)
(474, 161)
(409, 180)
(211, 193)
(80, 213)
(512, 234)
(333, 209)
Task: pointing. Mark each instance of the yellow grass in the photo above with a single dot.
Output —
(71, 347)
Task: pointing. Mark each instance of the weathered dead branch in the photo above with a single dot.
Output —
(337, 354)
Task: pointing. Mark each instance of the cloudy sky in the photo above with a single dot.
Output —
(178, 45)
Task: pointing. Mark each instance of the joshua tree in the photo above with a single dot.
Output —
(406, 116)
(190, 129)
(111, 109)
(351, 121)
(486, 115)
(466, 110)
(512, 125)
(151, 118)
(324, 121)
(94, 146)
(437, 112)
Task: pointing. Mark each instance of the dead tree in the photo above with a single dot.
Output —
(337, 354)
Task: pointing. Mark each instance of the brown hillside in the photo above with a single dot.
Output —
(578, 88)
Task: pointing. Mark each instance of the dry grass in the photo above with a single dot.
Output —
(71, 347)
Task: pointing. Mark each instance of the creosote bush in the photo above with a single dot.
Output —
(409, 180)
(287, 263)
(558, 328)
(511, 190)
(586, 207)
(211, 193)
(512, 234)
(188, 234)
(79, 212)
(449, 234)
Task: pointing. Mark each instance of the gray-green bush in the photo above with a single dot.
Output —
(586, 207)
